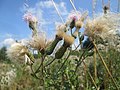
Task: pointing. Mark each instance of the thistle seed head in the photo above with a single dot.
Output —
(68, 39)
(78, 24)
(16, 51)
(61, 29)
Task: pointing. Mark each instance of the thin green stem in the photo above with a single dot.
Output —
(95, 65)
(90, 75)
(50, 62)
(64, 62)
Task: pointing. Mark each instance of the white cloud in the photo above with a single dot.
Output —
(46, 13)
(62, 8)
(47, 4)
(8, 41)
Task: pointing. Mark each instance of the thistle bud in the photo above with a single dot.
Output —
(68, 40)
(72, 18)
(59, 36)
(61, 29)
(32, 21)
(52, 46)
(61, 52)
(78, 25)
(106, 8)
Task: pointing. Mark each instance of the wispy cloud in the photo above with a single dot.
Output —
(49, 5)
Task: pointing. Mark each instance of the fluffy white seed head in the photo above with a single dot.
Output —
(17, 51)
(102, 25)
(39, 41)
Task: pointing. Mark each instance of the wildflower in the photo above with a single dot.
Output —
(32, 21)
(68, 39)
(76, 15)
(76, 21)
(16, 50)
(28, 17)
(72, 18)
(38, 42)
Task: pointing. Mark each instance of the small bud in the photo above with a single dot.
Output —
(106, 8)
(49, 50)
(78, 25)
(59, 54)
(32, 21)
(68, 40)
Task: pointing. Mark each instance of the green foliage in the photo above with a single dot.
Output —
(61, 74)
(3, 55)
(112, 59)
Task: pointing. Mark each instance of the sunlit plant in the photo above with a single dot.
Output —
(59, 70)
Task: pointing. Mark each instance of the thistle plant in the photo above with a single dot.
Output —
(68, 41)
(69, 72)
(32, 22)
(72, 18)
(59, 36)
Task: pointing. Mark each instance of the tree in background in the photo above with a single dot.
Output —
(3, 54)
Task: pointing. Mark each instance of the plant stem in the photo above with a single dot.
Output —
(101, 58)
(64, 62)
(33, 73)
(42, 69)
(90, 75)
(79, 63)
(95, 69)
(50, 62)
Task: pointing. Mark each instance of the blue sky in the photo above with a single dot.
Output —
(13, 26)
